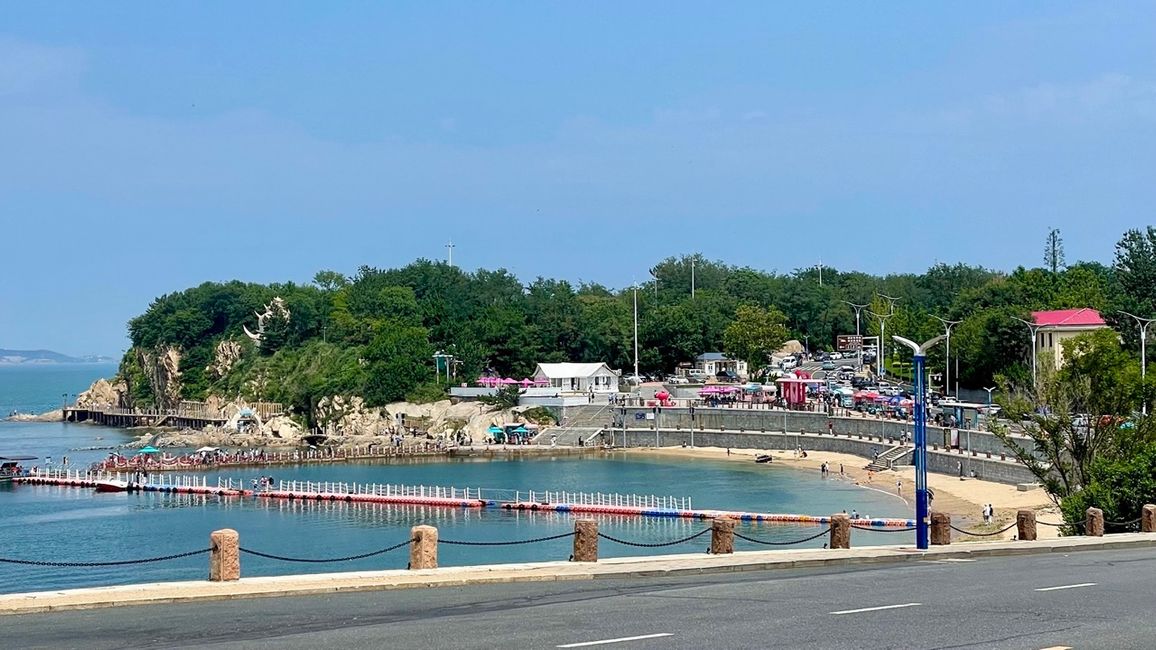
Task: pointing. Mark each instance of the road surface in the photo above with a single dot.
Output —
(1093, 599)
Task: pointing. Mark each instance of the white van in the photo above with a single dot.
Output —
(788, 364)
(696, 375)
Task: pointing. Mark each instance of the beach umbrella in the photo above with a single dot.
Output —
(495, 429)
(509, 380)
(894, 401)
(527, 382)
(521, 429)
(906, 402)
(662, 395)
(148, 450)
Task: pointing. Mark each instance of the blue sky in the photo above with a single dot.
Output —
(151, 146)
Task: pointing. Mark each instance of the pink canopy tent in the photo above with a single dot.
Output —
(527, 382)
(509, 380)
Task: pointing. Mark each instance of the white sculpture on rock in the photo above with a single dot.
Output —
(275, 309)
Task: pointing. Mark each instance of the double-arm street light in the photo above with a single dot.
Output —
(1143, 323)
(922, 522)
(881, 359)
(947, 325)
(859, 336)
(1034, 330)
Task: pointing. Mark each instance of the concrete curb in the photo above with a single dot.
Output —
(624, 567)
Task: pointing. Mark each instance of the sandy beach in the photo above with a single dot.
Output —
(962, 499)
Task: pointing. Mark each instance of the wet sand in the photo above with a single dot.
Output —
(962, 499)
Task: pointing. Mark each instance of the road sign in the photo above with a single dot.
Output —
(845, 342)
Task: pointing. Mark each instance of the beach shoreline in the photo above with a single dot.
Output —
(963, 499)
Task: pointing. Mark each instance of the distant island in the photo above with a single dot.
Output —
(15, 357)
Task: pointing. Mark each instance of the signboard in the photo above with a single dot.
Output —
(845, 342)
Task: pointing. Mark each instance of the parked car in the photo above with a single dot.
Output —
(828, 365)
(836, 355)
(788, 363)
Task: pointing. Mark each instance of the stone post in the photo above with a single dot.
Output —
(585, 540)
(1026, 525)
(225, 555)
(840, 531)
(1148, 519)
(1094, 523)
(722, 536)
(940, 529)
(423, 547)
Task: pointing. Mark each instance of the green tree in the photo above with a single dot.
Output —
(397, 360)
(754, 335)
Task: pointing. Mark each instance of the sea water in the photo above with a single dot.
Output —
(49, 523)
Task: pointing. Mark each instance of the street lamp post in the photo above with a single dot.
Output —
(881, 361)
(1143, 323)
(807, 345)
(922, 522)
(947, 325)
(692, 278)
(636, 333)
(1033, 329)
(858, 335)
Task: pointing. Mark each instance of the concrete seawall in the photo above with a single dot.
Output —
(941, 462)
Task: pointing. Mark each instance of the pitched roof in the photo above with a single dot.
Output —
(1085, 317)
(567, 370)
(712, 356)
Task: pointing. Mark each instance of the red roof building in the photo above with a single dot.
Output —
(1069, 318)
(1057, 326)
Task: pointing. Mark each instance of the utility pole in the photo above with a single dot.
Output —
(858, 310)
(692, 282)
(450, 250)
(922, 522)
(947, 325)
(1033, 329)
(1143, 323)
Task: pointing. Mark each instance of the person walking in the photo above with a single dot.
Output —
(959, 466)
(899, 488)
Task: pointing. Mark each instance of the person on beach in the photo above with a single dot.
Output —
(841, 474)
(959, 466)
(899, 488)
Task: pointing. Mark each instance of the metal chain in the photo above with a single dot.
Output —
(1062, 523)
(1123, 523)
(336, 559)
(96, 564)
(520, 541)
(798, 541)
(655, 545)
(991, 534)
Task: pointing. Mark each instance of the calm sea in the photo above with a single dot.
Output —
(67, 524)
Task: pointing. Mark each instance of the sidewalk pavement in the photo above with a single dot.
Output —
(619, 567)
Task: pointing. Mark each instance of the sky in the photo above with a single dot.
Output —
(148, 147)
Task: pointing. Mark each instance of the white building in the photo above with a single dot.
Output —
(577, 377)
(1057, 326)
(712, 363)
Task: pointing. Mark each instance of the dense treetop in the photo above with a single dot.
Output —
(375, 333)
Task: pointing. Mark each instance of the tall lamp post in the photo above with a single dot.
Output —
(922, 523)
(692, 282)
(1143, 323)
(636, 377)
(858, 310)
(881, 360)
(1034, 330)
(947, 325)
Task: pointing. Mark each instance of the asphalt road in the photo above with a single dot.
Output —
(1093, 599)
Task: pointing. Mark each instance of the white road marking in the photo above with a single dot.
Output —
(585, 644)
(1058, 647)
(1082, 584)
(876, 609)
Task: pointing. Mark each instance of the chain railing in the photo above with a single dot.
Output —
(765, 542)
(654, 544)
(163, 558)
(348, 558)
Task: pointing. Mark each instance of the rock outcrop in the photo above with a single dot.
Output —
(104, 394)
(163, 369)
(225, 356)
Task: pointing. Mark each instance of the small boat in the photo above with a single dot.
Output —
(11, 468)
(763, 458)
(112, 486)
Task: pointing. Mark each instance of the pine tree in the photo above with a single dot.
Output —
(1054, 251)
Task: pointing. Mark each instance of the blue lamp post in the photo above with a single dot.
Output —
(922, 517)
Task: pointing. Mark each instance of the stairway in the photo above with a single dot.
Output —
(888, 458)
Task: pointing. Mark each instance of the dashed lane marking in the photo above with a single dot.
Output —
(1082, 584)
(875, 609)
(586, 644)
